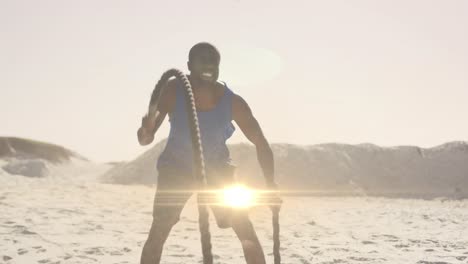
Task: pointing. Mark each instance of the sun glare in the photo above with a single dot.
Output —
(237, 72)
(238, 196)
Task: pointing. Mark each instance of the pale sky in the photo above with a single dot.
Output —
(80, 73)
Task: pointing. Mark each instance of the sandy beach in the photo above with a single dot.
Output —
(75, 219)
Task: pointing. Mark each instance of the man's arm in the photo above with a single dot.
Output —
(151, 123)
(244, 118)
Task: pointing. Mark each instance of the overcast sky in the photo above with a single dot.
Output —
(80, 73)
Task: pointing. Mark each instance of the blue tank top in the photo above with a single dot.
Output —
(215, 128)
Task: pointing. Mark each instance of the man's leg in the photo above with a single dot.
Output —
(173, 191)
(244, 230)
(152, 250)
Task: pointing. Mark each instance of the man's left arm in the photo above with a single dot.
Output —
(242, 115)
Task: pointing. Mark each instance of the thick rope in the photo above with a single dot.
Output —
(198, 159)
(276, 239)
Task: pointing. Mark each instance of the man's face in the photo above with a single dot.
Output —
(205, 65)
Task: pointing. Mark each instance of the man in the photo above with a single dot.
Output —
(217, 106)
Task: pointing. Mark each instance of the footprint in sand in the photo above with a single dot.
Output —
(27, 232)
(432, 262)
(39, 249)
(317, 253)
(6, 258)
(22, 251)
(178, 247)
(69, 211)
(360, 259)
(126, 249)
(86, 257)
(67, 256)
(300, 258)
(334, 261)
(94, 251)
(401, 246)
(388, 238)
(23, 230)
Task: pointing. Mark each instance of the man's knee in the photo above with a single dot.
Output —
(165, 220)
(242, 226)
(162, 225)
(224, 223)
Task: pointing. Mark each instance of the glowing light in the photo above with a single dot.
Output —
(243, 64)
(238, 196)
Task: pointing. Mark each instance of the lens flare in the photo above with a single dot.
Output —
(238, 196)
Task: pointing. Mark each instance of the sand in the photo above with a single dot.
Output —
(74, 219)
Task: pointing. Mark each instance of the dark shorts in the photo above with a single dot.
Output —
(174, 188)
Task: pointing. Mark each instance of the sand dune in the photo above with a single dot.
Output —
(338, 169)
(21, 148)
(30, 158)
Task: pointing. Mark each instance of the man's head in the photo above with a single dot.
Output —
(204, 61)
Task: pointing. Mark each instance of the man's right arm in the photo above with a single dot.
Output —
(151, 123)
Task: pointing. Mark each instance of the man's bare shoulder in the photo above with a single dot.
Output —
(240, 107)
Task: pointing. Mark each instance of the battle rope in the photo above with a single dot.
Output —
(199, 164)
(276, 239)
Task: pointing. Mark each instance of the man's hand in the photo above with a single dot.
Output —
(148, 122)
(146, 131)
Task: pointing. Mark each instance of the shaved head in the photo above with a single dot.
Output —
(202, 46)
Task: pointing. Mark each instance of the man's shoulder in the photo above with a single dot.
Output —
(240, 107)
(238, 100)
(172, 86)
